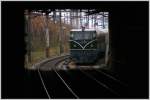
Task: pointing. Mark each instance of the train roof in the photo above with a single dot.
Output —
(99, 31)
(84, 30)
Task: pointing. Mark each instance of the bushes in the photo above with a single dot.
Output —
(38, 39)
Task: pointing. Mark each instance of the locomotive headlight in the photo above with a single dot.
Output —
(94, 35)
(74, 46)
(71, 35)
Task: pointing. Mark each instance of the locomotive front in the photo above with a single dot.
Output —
(83, 45)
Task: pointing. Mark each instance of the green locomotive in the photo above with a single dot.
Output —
(86, 46)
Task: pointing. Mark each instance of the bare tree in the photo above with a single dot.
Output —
(47, 35)
(77, 19)
(71, 18)
(80, 17)
(103, 20)
(95, 18)
(60, 36)
(88, 20)
(54, 16)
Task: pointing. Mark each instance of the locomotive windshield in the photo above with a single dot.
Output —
(86, 35)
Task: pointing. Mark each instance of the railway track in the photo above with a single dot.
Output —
(52, 83)
(77, 83)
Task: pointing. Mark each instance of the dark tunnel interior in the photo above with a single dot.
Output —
(128, 30)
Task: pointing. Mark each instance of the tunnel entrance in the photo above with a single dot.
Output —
(61, 42)
(81, 33)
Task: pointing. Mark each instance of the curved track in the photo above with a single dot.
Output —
(78, 83)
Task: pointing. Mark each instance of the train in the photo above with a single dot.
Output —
(87, 45)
